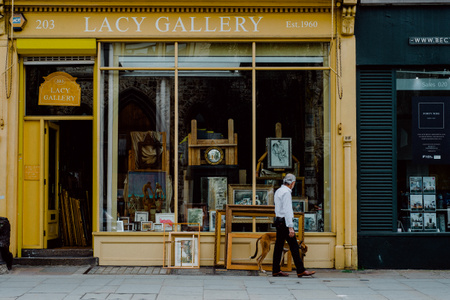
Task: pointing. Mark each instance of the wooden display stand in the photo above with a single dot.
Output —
(246, 210)
(196, 146)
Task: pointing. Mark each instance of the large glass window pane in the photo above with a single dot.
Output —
(137, 154)
(292, 54)
(296, 103)
(423, 102)
(139, 55)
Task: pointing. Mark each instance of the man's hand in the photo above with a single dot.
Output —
(291, 232)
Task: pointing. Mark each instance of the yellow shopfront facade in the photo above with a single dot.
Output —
(121, 119)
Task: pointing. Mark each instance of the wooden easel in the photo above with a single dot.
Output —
(196, 145)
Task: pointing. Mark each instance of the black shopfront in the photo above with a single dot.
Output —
(403, 97)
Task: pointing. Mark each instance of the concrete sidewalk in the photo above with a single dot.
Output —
(84, 282)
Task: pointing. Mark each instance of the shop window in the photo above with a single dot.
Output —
(423, 103)
(206, 103)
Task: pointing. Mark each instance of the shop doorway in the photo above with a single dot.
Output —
(73, 153)
(57, 186)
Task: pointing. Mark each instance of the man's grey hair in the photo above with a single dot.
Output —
(289, 178)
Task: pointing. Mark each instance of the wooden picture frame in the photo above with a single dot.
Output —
(242, 194)
(279, 153)
(212, 221)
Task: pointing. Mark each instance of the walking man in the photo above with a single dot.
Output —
(284, 222)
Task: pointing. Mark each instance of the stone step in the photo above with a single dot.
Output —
(54, 261)
(52, 257)
(60, 252)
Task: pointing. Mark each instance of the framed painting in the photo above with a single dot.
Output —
(310, 221)
(158, 227)
(299, 204)
(147, 226)
(195, 216)
(242, 194)
(186, 252)
(279, 153)
(214, 191)
(148, 189)
(165, 218)
(141, 216)
(197, 213)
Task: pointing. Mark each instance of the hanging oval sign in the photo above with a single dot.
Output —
(60, 89)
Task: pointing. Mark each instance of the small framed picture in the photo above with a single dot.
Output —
(299, 204)
(126, 220)
(168, 226)
(195, 216)
(295, 224)
(415, 184)
(119, 226)
(310, 221)
(141, 216)
(279, 153)
(415, 202)
(165, 218)
(186, 252)
(158, 227)
(146, 226)
(128, 226)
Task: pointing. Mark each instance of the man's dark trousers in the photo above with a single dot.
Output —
(282, 236)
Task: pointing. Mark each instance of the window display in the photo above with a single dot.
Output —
(423, 98)
(187, 138)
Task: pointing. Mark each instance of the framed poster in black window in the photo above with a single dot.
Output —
(430, 120)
